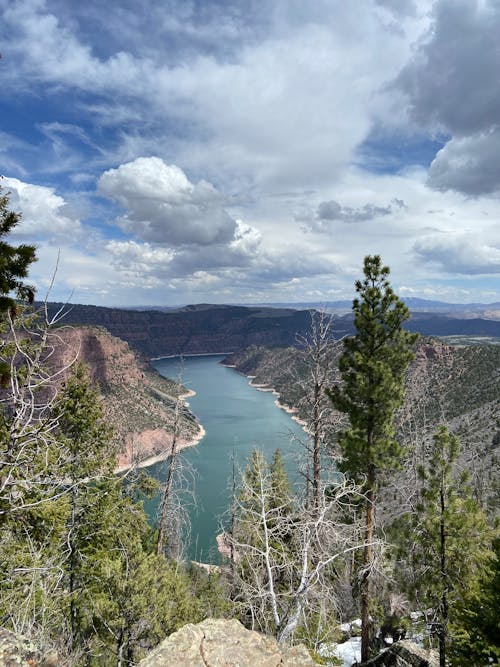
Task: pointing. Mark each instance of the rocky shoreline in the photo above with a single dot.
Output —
(282, 406)
(127, 465)
(151, 441)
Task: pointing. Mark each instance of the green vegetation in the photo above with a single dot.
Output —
(446, 542)
(83, 573)
(460, 387)
(372, 367)
(78, 569)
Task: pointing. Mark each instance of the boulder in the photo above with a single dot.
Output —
(404, 654)
(17, 651)
(223, 643)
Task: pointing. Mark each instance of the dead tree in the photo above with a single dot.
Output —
(287, 557)
(320, 353)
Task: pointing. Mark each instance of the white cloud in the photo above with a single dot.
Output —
(452, 86)
(286, 104)
(137, 259)
(258, 113)
(44, 213)
(461, 253)
(469, 164)
(163, 206)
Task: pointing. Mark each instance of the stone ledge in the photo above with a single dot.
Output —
(223, 643)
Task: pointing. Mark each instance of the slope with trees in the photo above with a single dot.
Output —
(78, 568)
(445, 541)
(372, 366)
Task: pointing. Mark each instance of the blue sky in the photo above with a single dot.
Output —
(227, 151)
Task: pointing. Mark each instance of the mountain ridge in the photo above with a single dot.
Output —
(207, 328)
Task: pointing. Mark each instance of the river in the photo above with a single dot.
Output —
(237, 418)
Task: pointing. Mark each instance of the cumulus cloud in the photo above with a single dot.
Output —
(468, 164)
(463, 254)
(44, 213)
(331, 211)
(452, 85)
(132, 257)
(451, 80)
(163, 206)
(139, 258)
(213, 86)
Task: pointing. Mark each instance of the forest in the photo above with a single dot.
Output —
(392, 523)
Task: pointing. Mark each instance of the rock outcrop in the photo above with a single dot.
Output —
(195, 329)
(131, 388)
(17, 651)
(404, 654)
(223, 643)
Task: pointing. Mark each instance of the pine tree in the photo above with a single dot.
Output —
(372, 367)
(280, 491)
(475, 626)
(14, 260)
(14, 264)
(122, 597)
(451, 536)
(86, 437)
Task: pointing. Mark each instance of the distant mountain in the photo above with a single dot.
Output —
(207, 328)
(195, 329)
(414, 304)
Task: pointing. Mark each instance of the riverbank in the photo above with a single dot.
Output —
(190, 354)
(282, 406)
(151, 459)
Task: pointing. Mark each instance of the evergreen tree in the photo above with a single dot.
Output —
(372, 368)
(475, 627)
(451, 541)
(86, 437)
(280, 491)
(128, 597)
(14, 264)
(14, 260)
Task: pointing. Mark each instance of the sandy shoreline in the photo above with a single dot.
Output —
(162, 456)
(291, 411)
(189, 354)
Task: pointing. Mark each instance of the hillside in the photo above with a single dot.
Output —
(205, 328)
(459, 385)
(194, 329)
(130, 387)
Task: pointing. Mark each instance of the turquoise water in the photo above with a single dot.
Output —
(236, 417)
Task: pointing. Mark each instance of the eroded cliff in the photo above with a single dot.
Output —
(138, 403)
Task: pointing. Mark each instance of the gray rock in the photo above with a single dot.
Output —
(404, 654)
(16, 651)
(222, 643)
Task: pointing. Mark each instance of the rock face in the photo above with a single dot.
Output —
(16, 651)
(221, 328)
(222, 643)
(131, 389)
(195, 329)
(404, 654)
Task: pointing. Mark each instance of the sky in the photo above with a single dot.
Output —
(245, 151)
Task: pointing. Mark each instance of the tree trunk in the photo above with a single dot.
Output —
(120, 648)
(317, 443)
(168, 484)
(444, 584)
(367, 564)
(233, 522)
(72, 570)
